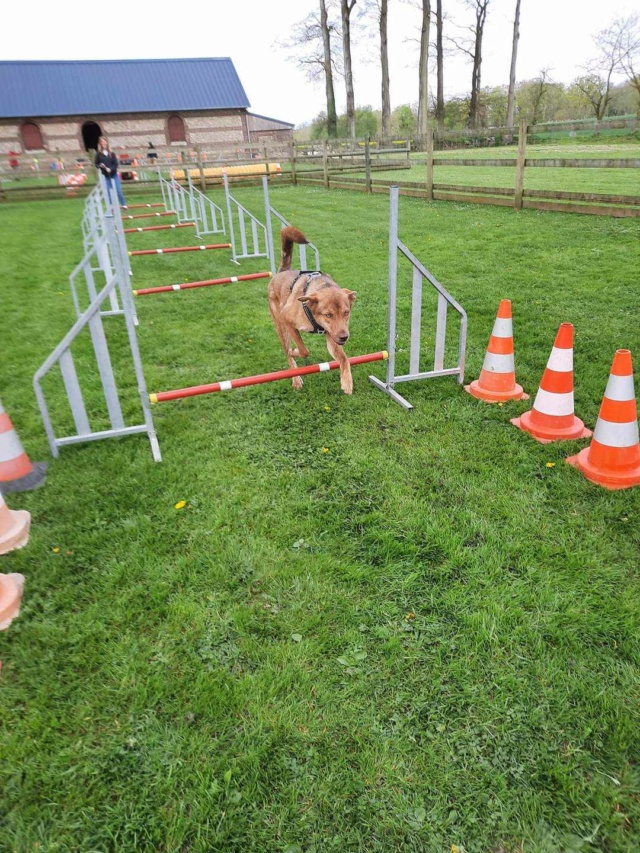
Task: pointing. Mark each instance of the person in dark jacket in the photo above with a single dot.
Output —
(107, 163)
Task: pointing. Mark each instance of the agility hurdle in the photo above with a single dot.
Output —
(244, 382)
(254, 245)
(159, 227)
(445, 300)
(170, 288)
(270, 211)
(179, 249)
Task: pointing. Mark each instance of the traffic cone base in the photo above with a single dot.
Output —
(14, 528)
(497, 380)
(611, 479)
(17, 474)
(613, 458)
(545, 435)
(33, 480)
(476, 390)
(10, 597)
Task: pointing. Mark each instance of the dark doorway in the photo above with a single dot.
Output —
(91, 133)
(31, 137)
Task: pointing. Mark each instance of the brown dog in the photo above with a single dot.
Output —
(302, 301)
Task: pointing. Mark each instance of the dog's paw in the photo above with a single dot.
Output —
(297, 383)
(347, 385)
(298, 353)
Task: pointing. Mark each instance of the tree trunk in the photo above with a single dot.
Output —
(440, 68)
(384, 61)
(346, 7)
(511, 98)
(423, 70)
(332, 116)
(481, 17)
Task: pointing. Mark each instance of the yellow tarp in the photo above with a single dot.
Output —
(232, 171)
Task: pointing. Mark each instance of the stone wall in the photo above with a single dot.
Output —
(126, 130)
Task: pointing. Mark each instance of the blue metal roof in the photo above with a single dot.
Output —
(61, 88)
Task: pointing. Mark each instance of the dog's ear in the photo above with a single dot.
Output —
(310, 300)
(350, 294)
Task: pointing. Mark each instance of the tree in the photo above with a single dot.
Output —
(328, 70)
(439, 68)
(627, 31)
(403, 121)
(531, 96)
(377, 11)
(480, 10)
(597, 80)
(346, 7)
(423, 71)
(309, 46)
(511, 97)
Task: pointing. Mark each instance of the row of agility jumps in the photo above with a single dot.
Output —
(105, 232)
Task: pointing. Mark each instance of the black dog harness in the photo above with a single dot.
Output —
(316, 328)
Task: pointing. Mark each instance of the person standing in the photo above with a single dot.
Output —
(107, 162)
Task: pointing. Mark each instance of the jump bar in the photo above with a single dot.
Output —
(148, 215)
(134, 206)
(163, 396)
(179, 249)
(169, 288)
(159, 227)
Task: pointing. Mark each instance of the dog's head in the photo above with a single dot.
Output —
(331, 309)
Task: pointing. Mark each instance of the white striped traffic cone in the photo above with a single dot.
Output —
(11, 587)
(613, 458)
(497, 382)
(552, 417)
(17, 473)
(14, 527)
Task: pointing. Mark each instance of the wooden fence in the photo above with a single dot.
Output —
(339, 164)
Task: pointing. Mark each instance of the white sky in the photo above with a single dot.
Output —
(556, 34)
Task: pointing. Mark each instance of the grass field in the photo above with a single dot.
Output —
(366, 629)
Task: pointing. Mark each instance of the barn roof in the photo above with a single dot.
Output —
(31, 89)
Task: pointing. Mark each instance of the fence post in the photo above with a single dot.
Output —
(292, 156)
(266, 160)
(522, 149)
(325, 165)
(203, 182)
(430, 165)
(367, 163)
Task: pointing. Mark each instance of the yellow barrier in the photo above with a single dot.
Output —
(232, 171)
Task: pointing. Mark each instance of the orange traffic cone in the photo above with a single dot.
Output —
(497, 382)
(17, 473)
(552, 417)
(10, 597)
(613, 458)
(14, 527)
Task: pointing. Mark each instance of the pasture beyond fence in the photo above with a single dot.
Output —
(363, 166)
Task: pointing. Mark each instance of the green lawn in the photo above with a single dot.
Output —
(424, 638)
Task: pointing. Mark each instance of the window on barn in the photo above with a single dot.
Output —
(31, 137)
(176, 129)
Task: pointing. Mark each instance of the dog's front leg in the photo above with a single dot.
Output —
(346, 381)
(285, 333)
(300, 349)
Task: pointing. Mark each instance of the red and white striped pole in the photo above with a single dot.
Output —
(229, 384)
(154, 204)
(159, 227)
(180, 249)
(148, 215)
(169, 288)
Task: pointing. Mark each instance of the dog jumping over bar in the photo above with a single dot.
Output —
(309, 301)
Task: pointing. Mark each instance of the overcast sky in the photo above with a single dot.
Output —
(554, 34)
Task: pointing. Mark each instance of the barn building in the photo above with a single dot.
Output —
(65, 106)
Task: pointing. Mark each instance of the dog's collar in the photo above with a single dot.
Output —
(316, 328)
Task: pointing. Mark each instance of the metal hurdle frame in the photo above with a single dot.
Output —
(271, 211)
(258, 230)
(207, 215)
(420, 274)
(92, 226)
(116, 280)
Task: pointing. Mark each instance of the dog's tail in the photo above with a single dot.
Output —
(289, 236)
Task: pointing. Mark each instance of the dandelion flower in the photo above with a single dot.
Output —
(180, 505)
